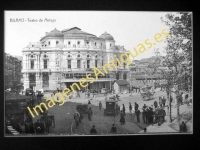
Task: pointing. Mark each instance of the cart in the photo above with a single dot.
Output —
(147, 93)
(112, 107)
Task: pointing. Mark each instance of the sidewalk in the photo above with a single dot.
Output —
(173, 127)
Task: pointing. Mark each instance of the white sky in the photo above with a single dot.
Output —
(129, 28)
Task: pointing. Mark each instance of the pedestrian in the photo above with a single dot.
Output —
(113, 129)
(38, 127)
(100, 105)
(147, 114)
(138, 116)
(130, 108)
(117, 96)
(150, 115)
(93, 130)
(144, 115)
(89, 104)
(136, 106)
(183, 127)
(122, 118)
(123, 109)
(163, 101)
(155, 104)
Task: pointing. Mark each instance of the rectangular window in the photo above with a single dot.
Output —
(96, 62)
(69, 43)
(124, 65)
(88, 63)
(102, 62)
(32, 64)
(49, 43)
(69, 63)
(57, 42)
(78, 63)
(45, 64)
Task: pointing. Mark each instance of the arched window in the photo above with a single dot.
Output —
(117, 76)
(124, 76)
(78, 55)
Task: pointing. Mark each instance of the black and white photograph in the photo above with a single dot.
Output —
(97, 73)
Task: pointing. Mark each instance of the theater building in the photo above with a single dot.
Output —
(61, 58)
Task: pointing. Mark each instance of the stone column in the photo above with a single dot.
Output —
(38, 81)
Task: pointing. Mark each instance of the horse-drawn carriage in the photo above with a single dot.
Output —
(112, 107)
(147, 92)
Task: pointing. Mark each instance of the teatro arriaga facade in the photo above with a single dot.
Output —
(63, 57)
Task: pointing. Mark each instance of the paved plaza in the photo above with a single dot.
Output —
(64, 121)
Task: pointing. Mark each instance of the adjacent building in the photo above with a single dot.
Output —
(61, 58)
(142, 71)
(12, 71)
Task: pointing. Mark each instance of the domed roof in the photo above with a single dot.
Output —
(54, 33)
(106, 36)
(76, 32)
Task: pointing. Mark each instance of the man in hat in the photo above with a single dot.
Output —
(93, 130)
(113, 129)
(183, 127)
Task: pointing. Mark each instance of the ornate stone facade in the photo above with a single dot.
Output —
(63, 57)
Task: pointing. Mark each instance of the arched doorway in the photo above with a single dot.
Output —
(45, 79)
(32, 80)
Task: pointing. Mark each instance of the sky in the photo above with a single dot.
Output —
(128, 28)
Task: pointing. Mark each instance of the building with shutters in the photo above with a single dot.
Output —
(61, 58)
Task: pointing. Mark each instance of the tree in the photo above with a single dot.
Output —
(178, 59)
